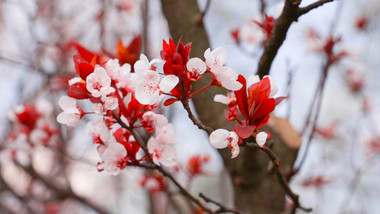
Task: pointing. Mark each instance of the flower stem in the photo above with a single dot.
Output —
(204, 88)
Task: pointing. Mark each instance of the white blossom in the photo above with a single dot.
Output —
(71, 114)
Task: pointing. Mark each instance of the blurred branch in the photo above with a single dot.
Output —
(222, 208)
(204, 12)
(63, 193)
(195, 121)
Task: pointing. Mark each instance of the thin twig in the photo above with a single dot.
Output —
(196, 122)
(222, 208)
(312, 6)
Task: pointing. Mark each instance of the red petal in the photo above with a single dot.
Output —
(244, 131)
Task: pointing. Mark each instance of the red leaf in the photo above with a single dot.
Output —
(241, 97)
(85, 69)
(244, 131)
(278, 100)
(78, 91)
(170, 101)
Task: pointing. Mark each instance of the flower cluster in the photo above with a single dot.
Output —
(124, 95)
(255, 102)
(32, 123)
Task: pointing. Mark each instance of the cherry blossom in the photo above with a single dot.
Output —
(143, 65)
(162, 152)
(98, 131)
(98, 83)
(215, 58)
(148, 90)
(151, 120)
(196, 68)
(71, 112)
(222, 138)
(225, 76)
(113, 156)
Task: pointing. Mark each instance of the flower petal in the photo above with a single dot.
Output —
(168, 83)
(219, 138)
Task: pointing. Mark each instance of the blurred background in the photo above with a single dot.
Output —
(339, 172)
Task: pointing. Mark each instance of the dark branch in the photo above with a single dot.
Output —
(194, 119)
(290, 14)
(313, 6)
(222, 208)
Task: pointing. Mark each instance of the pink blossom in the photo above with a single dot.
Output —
(98, 83)
(196, 67)
(227, 77)
(98, 131)
(110, 102)
(151, 120)
(113, 156)
(162, 152)
(215, 58)
(149, 86)
(71, 113)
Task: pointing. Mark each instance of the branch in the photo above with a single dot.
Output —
(196, 122)
(65, 193)
(152, 165)
(290, 14)
(222, 208)
(282, 180)
(312, 6)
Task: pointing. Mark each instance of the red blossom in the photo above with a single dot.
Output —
(267, 26)
(195, 165)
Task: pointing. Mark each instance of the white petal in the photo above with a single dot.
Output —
(232, 85)
(197, 64)
(62, 118)
(219, 138)
(235, 151)
(261, 138)
(234, 137)
(221, 99)
(147, 97)
(252, 79)
(273, 86)
(142, 65)
(66, 102)
(168, 83)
